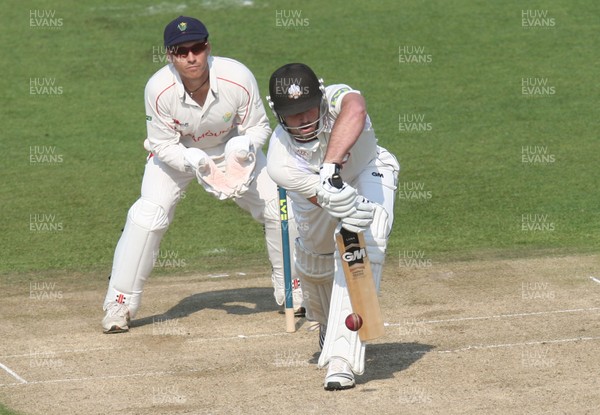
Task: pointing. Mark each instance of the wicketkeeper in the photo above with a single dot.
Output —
(205, 122)
(323, 131)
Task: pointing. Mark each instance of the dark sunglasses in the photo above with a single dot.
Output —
(182, 51)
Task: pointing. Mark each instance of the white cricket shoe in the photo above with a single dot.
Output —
(116, 319)
(339, 375)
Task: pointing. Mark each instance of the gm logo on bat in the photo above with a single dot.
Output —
(354, 256)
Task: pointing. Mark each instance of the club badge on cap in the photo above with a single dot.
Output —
(184, 29)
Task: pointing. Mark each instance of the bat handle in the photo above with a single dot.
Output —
(336, 179)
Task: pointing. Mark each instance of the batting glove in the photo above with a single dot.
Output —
(360, 220)
(340, 203)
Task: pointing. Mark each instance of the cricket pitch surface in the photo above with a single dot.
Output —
(508, 336)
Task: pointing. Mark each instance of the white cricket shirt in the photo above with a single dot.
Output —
(297, 169)
(174, 120)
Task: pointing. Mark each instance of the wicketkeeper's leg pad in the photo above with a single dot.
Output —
(339, 340)
(135, 253)
(316, 275)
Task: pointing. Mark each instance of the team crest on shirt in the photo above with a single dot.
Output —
(182, 26)
(294, 91)
(303, 154)
(227, 116)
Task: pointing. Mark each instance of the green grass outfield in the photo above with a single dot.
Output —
(465, 189)
(486, 169)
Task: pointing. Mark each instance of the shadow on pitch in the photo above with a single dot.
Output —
(385, 359)
(241, 301)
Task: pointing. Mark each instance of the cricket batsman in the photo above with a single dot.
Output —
(206, 123)
(322, 132)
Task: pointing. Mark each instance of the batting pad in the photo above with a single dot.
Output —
(135, 253)
(316, 275)
(376, 235)
(339, 340)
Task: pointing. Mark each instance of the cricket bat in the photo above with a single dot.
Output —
(359, 279)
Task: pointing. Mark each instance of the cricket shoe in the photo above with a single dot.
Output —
(116, 319)
(339, 375)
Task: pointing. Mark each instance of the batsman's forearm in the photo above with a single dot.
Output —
(347, 128)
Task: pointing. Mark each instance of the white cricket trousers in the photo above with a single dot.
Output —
(162, 188)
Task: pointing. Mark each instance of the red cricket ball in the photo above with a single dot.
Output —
(354, 322)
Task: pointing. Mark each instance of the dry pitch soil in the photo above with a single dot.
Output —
(518, 336)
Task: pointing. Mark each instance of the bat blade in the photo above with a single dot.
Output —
(361, 287)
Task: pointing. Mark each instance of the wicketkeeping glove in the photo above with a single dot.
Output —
(240, 161)
(196, 159)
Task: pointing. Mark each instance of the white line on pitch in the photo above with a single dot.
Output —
(172, 372)
(131, 375)
(506, 345)
(12, 373)
(595, 279)
(499, 316)
(61, 352)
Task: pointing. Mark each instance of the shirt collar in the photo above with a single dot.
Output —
(181, 89)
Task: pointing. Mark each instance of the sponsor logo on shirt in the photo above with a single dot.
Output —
(179, 123)
(337, 94)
